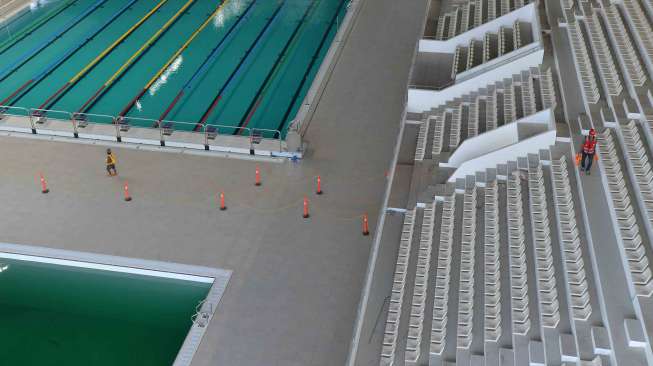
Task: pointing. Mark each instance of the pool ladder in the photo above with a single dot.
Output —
(201, 317)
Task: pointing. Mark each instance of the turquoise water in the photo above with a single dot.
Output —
(60, 315)
(270, 52)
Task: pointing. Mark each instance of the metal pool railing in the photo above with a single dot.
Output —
(144, 131)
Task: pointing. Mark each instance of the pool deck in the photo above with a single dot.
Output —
(296, 282)
(10, 7)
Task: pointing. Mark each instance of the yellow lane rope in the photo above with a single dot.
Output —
(116, 43)
(148, 43)
(185, 45)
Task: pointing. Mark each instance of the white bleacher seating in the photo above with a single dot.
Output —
(547, 89)
(638, 263)
(438, 133)
(582, 59)
(491, 110)
(472, 118)
(528, 95)
(439, 32)
(453, 24)
(478, 12)
(602, 49)
(641, 24)
(421, 281)
(625, 47)
(441, 296)
(571, 241)
(636, 152)
(464, 18)
(546, 279)
(454, 137)
(398, 288)
(492, 300)
(466, 282)
(509, 112)
(519, 303)
(422, 140)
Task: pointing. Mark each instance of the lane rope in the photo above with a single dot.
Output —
(244, 59)
(70, 83)
(135, 57)
(18, 93)
(9, 69)
(32, 27)
(173, 58)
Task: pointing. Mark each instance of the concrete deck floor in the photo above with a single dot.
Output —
(296, 284)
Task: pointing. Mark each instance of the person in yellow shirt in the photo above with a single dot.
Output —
(111, 164)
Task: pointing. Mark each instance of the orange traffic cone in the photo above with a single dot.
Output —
(305, 215)
(578, 159)
(222, 205)
(44, 185)
(366, 228)
(128, 197)
(258, 176)
(319, 185)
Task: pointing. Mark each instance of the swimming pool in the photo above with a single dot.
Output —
(236, 64)
(71, 308)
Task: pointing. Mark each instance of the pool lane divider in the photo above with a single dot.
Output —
(316, 54)
(258, 97)
(70, 83)
(9, 69)
(210, 58)
(29, 84)
(244, 58)
(32, 27)
(172, 58)
(135, 57)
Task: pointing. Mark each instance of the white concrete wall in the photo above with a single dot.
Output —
(528, 146)
(527, 13)
(482, 144)
(498, 138)
(543, 117)
(420, 100)
(508, 58)
(536, 26)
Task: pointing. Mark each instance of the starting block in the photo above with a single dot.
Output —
(256, 137)
(80, 119)
(211, 132)
(40, 117)
(124, 124)
(167, 128)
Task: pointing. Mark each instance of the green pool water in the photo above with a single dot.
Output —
(259, 75)
(62, 315)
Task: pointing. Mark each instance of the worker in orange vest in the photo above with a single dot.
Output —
(588, 149)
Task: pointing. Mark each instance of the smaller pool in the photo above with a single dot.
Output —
(68, 308)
